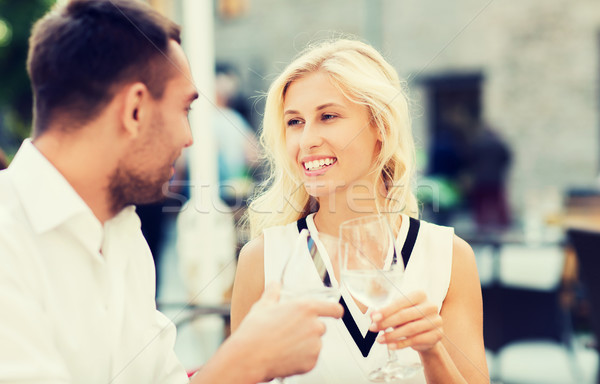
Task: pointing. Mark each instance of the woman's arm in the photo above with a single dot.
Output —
(249, 280)
(450, 343)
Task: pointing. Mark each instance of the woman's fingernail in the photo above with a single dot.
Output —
(376, 317)
(380, 339)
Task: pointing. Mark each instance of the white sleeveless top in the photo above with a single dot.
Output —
(341, 360)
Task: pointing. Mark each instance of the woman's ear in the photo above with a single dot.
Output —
(135, 108)
(379, 133)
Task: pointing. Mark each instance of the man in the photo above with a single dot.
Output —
(112, 90)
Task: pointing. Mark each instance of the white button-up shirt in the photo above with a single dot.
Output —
(76, 297)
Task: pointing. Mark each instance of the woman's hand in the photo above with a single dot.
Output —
(415, 323)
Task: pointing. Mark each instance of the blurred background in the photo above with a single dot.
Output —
(506, 114)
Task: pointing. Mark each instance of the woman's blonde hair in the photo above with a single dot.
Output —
(364, 77)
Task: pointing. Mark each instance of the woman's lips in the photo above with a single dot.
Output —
(319, 166)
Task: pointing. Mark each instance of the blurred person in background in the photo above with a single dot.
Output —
(112, 90)
(238, 147)
(156, 217)
(487, 168)
(338, 136)
(473, 154)
(446, 168)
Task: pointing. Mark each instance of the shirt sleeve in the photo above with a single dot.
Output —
(27, 351)
(160, 333)
(169, 370)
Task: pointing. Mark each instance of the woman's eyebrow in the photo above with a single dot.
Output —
(319, 108)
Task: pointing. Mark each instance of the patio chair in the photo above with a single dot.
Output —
(587, 247)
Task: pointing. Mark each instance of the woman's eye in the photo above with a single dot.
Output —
(328, 116)
(292, 122)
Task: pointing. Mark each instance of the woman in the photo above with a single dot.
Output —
(338, 139)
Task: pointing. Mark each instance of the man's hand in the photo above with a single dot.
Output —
(275, 339)
(284, 337)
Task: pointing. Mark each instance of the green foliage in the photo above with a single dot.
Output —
(15, 89)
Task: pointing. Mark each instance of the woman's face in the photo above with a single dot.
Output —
(329, 138)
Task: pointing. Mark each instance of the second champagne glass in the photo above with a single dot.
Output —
(372, 271)
(293, 283)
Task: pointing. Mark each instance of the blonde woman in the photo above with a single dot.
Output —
(338, 139)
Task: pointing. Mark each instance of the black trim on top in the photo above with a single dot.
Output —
(411, 239)
(301, 223)
(409, 243)
(365, 344)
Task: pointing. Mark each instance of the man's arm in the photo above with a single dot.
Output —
(274, 340)
(27, 345)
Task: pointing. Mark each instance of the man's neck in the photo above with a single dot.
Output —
(84, 164)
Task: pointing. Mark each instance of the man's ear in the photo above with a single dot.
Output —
(136, 99)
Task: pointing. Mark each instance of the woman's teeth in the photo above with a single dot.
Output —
(318, 164)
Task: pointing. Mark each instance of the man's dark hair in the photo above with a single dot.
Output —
(79, 55)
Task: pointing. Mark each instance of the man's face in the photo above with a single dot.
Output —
(143, 172)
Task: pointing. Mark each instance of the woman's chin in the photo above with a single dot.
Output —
(321, 190)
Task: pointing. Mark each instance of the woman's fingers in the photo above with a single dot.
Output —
(421, 342)
(405, 316)
(413, 329)
(411, 321)
(404, 301)
(409, 308)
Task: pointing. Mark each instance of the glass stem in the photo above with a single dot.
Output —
(392, 355)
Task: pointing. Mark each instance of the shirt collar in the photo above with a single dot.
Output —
(47, 197)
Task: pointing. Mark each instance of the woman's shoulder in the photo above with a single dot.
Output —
(463, 259)
(253, 250)
(464, 274)
(249, 280)
(427, 225)
(432, 234)
(281, 227)
(279, 233)
(461, 250)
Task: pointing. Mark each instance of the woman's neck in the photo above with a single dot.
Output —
(363, 198)
(332, 212)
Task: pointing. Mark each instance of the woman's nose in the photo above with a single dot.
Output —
(311, 136)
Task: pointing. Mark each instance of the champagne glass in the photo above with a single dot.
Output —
(372, 271)
(294, 284)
